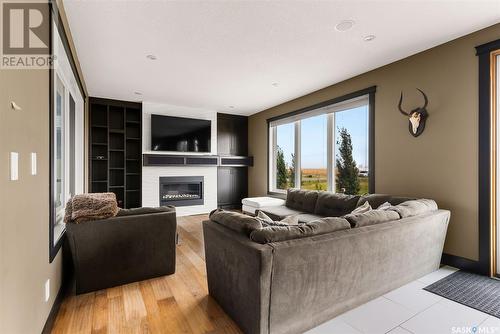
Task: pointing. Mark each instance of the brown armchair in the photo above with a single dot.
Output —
(135, 245)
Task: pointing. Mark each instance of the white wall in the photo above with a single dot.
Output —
(151, 175)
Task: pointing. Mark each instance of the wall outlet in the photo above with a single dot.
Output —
(33, 163)
(14, 166)
(47, 290)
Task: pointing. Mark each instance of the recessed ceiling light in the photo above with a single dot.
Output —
(151, 57)
(137, 93)
(275, 84)
(369, 38)
(232, 107)
(344, 25)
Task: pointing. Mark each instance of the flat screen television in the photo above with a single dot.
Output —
(179, 134)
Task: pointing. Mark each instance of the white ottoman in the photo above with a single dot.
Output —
(251, 204)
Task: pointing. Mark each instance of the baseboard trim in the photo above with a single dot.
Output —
(67, 283)
(461, 263)
(49, 324)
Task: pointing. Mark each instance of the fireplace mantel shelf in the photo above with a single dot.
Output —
(166, 160)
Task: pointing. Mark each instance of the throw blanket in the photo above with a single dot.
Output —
(86, 207)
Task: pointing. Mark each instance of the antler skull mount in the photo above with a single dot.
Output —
(416, 117)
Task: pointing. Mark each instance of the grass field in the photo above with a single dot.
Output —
(315, 179)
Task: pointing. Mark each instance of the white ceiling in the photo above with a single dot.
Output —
(217, 54)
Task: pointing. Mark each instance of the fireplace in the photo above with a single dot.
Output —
(181, 190)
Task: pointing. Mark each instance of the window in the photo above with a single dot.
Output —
(284, 156)
(67, 132)
(313, 155)
(324, 147)
(354, 123)
(59, 148)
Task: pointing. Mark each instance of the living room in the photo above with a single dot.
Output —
(250, 166)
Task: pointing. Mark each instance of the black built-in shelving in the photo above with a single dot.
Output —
(115, 157)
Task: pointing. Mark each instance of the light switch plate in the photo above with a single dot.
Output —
(47, 290)
(33, 163)
(14, 166)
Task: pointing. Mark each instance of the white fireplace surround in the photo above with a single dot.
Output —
(151, 174)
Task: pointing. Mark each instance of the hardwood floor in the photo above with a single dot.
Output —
(177, 303)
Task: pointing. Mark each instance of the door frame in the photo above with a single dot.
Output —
(486, 264)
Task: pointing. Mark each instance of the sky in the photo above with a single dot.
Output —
(313, 138)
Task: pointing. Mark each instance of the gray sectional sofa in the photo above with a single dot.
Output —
(288, 279)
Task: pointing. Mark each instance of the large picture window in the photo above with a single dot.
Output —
(324, 147)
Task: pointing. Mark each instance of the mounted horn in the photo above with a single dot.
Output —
(400, 107)
(416, 117)
(425, 98)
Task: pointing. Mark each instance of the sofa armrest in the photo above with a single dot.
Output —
(121, 250)
(239, 276)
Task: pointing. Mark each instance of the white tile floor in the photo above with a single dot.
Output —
(410, 309)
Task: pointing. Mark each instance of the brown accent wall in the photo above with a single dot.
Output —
(24, 204)
(443, 162)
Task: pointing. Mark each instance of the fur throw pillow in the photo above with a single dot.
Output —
(94, 206)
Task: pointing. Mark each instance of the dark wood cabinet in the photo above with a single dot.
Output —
(115, 145)
(232, 186)
(232, 135)
(232, 141)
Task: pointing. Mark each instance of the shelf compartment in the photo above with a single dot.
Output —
(120, 195)
(133, 115)
(99, 187)
(116, 141)
(133, 199)
(116, 159)
(99, 115)
(99, 135)
(116, 118)
(133, 131)
(133, 182)
(133, 149)
(134, 167)
(116, 178)
(99, 151)
(99, 170)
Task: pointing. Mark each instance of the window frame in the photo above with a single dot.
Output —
(271, 138)
(55, 242)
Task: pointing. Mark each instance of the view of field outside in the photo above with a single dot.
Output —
(313, 134)
(286, 144)
(313, 153)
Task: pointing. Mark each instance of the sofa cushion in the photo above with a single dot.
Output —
(376, 200)
(308, 217)
(362, 209)
(258, 202)
(302, 200)
(282, 233)
(335, 205)
(414, 207)
(371, 217)
(384, 206)
(267, 221)
(144, 211)
(279, 212)
(235, 221)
